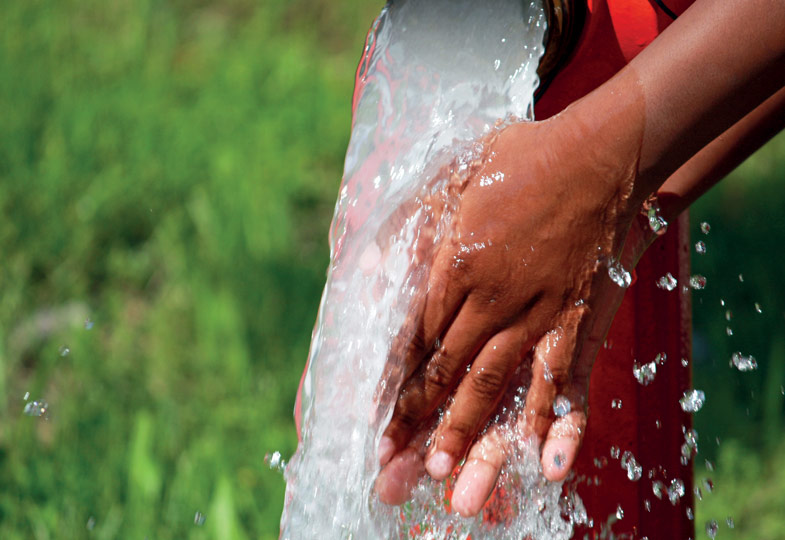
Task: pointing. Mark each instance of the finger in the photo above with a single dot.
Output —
(566, 433)
(397, 480)
(477, 396)
(424, 392)
(478, 475)
(550, 371)
(418, 335)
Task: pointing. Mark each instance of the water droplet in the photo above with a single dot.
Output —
(615, 452)
(692, 401)
(275, 462)
(758, 308)
(709, 465)
(633, 468)
(36, 408)
(88, 324)
(27, 396)
(546, 372)
(199, 519)
(698, 493)
(619, 512)
(705, 228)
(744, 363)
(645, 373)
(651, 209)
(729, 330)
(728, 315)
(616, 404)
(698, 282)
(685, 362)
(657, 424)
(729, 521)
(90, 523)
(675, 491)
(600, 462)
(708, 485)
(559, 459)
(741, 278)
(711, 529)
(700, 247)
(658, 488)
(782, 390)
(561, 406)
(722, 302)
(689, 513)
(667, 282)
(64, 350)
(618, 274)
(496, 64)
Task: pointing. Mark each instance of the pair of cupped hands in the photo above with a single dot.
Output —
(519, 284)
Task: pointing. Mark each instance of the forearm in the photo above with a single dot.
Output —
(702, 75)
(721, 156)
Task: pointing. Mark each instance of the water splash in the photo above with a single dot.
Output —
(712, 528)
(692, 401)
(667, 282)
(618, 274)
(698, 282)
(645, 373)
(743, 363)
(561, 406)
(631, 466)
(36, 408)
(434, 78)
(675, 491)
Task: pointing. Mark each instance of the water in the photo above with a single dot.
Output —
(667, 282)
(631, 466)
(692, 401)
(618, 274)
(645, 373)
(743, 363)
(36, 408)
(436, 77)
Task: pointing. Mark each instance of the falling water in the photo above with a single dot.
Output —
(436, 78)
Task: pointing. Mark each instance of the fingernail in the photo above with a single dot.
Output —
(386, 449)
(439, 465)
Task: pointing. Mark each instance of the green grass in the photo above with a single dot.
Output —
(168, 169)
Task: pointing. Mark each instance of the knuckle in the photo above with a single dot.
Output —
(438, 374)
(560, 374)
(487, 383)
(460, 430)
(415, 346)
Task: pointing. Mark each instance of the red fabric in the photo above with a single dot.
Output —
(650, 321)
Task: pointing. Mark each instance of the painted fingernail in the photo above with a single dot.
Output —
(439, 465)
(386, 449)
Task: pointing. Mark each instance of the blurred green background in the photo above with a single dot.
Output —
(168, 170)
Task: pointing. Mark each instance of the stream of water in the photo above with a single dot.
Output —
(436, 77)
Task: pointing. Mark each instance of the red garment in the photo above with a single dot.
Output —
(650, 321)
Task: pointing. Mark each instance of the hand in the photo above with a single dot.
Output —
(525, 266)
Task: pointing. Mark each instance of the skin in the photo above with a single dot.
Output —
(522, 278)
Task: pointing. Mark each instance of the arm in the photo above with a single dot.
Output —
(570, 205)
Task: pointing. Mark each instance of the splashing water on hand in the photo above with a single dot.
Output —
(436, 76)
